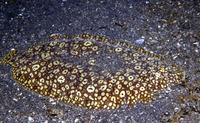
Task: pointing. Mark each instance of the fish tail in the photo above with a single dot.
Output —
(9, 59)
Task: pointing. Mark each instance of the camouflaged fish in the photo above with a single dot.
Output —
(91, 71)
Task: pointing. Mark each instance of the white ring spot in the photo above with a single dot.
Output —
(61, 79)
(122, 94)
(142, 88)
(90, 88)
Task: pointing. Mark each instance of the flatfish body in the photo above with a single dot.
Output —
(91, 71)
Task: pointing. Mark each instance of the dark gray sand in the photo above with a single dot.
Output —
(168, 28)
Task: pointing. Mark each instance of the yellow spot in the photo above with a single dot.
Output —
(136, 91)
(110, 85)
(119, 86)
(113, 99)
(135, 54)
(118, 49)
(62, 44)
(121, 77)
(108, 90)
(85, 81)
(144, 72)
(53, 43)
(113, 80)
(116, 91)
(142, 88)
(78, 93)
(56, 71)
(91, 98)
(51, 75)
(75, 71)
(42, 80)
(125, 82)
(92, 62)
(75, 46)
(88, 43)
(45, 55)
(86, 95)
(131, 88)
(50, 65)
(24, 68)
(137, 85)
(63, 89)
(73, 52)
(52, 53)
(100, 81)
(56, 62)
(103, 87)
(68, 65)
(43, 69)
(144, 84)
(35, 67)
(72, 91)
(137, 67)
(65, 71)
(54, 85)
(128, 92)
(95, 48)
(91, 74)
(84, 48)
(96, 95)
(67, 87)
(104, 98)
(110, 104)
(28, 70)
(130, 78)
(157, 75)
(83, 74)
(103, 93)
(122, 94)
(72, 77)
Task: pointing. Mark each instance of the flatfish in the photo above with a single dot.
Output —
(91, 71)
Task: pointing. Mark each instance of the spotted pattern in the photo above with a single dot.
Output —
(91, 71)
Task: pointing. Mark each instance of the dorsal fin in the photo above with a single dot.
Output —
(105, 40)
(119, 43)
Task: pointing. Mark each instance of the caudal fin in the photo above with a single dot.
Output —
(9, 59)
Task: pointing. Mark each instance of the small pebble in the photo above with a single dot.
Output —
(140, 41)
